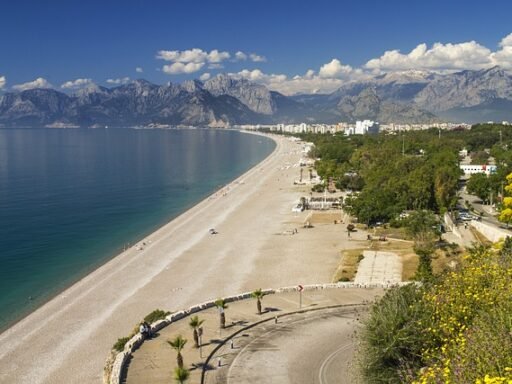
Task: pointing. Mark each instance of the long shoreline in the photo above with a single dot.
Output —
(119, 251)
(25, 327)
(260, 244)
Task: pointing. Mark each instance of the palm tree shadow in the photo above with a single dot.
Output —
(235, 323)
(203, 366)
(270, 309)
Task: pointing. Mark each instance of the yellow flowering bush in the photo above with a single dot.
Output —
(466, 336)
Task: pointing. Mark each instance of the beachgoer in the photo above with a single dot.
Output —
(148, 329)
(145, 330)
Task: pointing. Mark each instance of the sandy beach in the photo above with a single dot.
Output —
(68, 339)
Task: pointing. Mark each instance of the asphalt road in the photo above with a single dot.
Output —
(479, 207)
(310, 348)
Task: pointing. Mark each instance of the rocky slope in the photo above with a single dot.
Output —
(401, 97)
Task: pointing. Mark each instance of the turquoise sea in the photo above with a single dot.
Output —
(70, 199)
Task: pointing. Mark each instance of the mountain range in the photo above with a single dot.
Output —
(399, 97)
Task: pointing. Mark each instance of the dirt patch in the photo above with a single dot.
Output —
(410, 262)
(480, 238)
(395, 233)
(446, 257)
(348, 265)
(325, 217)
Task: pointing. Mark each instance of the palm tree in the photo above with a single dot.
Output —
(258, 295)
(195, 323)
(177, 344)
(181, 375)
(221, 304)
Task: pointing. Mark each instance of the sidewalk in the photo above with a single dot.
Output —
(466, 240)
(155, 360)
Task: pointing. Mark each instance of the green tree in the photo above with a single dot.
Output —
(181, 375)
(195, 324)
(479, 185)
(446, 183)
(422, 226)
(178, 343)
(258, 295)
(479, 157)
(222, 306)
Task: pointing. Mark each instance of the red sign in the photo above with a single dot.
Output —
(300, 288)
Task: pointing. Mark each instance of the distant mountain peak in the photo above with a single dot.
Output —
(192, 85)
(89, 89)
(402, 96)
(255, 96)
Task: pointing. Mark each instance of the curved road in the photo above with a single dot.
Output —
(314, 347)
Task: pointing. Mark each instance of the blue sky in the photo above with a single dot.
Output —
(59, 42)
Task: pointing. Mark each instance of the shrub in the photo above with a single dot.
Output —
(393, 336)
(456, 329)
(343, 279)
(156, 315)
(120, 343)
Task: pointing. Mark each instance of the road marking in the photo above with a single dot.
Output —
(328, 360)
(285, 324)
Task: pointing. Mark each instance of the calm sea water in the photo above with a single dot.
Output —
(71, 199)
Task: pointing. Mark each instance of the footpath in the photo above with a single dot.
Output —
(155, 360)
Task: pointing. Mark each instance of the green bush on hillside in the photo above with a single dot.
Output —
(456, 329)
(156, 315)
(120, 343)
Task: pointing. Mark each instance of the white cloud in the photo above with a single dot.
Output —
(76, 84)
(122, 80)
(308, 83)
(503, 57)
(440, 57)
(240, 56)
(139, 70)
(37, 83)
(309, 74)
(506, 41)
(194, 55)
(189, 56)
(205, 76)
(191, 60)
(334, 69)
(179, 68)
(3, 81)
(217, 57)
(257, 58)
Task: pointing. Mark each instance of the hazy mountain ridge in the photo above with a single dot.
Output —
(400, 97)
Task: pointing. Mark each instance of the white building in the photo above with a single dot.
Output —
(364, 127)
(471, 169)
